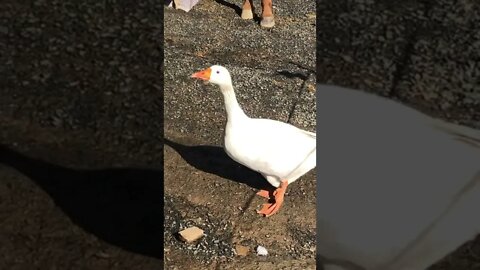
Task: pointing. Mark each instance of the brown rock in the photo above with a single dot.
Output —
(241, 250)
(311, 87)
(191, 234)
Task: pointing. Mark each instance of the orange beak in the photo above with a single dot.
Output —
(203, 75)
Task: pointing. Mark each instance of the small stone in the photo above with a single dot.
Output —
(56, 121)
(261, 251)
(241, 250)
(3, 30)
(102, 255)
(191, 234)
(45, 62)
(347, 58)
(311, 87)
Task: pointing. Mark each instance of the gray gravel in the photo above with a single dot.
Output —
(83, 66)
(263, 64)
(214, 245)
(423, 53)
(80, 87)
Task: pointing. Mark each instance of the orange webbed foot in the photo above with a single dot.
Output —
(264, 193)
(269, 209)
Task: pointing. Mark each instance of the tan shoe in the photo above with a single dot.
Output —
(267, 22)
(247, 14)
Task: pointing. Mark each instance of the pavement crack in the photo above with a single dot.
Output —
(403, 63)
(407, 53)
(243, 210)
(304, 77)
(247, 204)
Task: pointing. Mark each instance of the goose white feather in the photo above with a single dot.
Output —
(399, 190)
(277, 150)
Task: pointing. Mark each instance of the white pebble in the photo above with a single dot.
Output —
(261, 251)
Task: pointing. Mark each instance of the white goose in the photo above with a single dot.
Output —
(282, 153)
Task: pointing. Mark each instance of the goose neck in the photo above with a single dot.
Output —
(231, 104)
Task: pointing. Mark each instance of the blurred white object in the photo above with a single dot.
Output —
(185, 5)
(396, 190)
(261, 251)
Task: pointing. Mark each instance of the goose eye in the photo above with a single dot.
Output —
(218, 72)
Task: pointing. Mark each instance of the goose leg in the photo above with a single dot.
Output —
(269, 209)
(247, 10)
(267, 14)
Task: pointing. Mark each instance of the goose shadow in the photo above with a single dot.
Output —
(303, 75)
(121, 206)
(295, 74)
(214, 160)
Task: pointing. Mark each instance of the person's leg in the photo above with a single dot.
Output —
(267, 14)
(247, 10)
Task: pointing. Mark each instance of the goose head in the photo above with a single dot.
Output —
(215, 74)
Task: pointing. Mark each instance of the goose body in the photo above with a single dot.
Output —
(281, 152)
(277, 150)
(397, 190)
